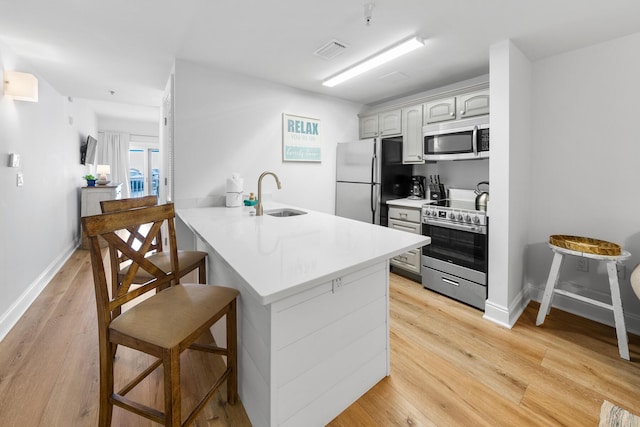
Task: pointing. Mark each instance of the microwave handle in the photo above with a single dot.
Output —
(474, 140)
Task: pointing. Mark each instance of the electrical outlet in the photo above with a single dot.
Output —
(583, 264)
(19, 180)
(336, 284)
(622, 271)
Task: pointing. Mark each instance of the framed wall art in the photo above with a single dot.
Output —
(301, 140)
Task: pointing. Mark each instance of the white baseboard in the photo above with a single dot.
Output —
(506, 316)
(20, 306)
(586, 310)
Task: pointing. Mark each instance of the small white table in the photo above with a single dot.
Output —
(616, 302)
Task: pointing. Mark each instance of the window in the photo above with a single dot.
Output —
(144, 171)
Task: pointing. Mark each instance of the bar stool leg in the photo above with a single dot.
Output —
(552, 281)
(618, 314)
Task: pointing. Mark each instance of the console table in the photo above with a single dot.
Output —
(90, 203)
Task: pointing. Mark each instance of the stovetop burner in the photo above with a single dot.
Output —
(459, 210)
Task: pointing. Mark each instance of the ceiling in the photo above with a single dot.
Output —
(89, 48)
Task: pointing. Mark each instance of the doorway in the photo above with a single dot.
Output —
(144, 170)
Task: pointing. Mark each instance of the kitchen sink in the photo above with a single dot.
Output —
(284, 212)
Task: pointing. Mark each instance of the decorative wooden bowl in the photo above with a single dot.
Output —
(585, 244)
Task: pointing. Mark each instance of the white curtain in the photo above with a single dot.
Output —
(113, 150)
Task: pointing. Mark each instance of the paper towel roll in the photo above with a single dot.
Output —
(234, 200)
(235, 184)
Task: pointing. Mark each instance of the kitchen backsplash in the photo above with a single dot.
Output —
(456, 174)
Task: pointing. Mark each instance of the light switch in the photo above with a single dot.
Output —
(14, 160)
(19, 179)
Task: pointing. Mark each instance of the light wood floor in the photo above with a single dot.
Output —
(449, 367)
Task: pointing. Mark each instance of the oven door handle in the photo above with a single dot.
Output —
(476, 229)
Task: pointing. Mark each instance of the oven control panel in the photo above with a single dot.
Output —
(435, 214)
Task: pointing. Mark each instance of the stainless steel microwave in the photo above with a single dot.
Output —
(457, 140)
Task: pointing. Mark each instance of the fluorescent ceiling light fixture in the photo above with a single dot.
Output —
(21, 86)
(375, 61)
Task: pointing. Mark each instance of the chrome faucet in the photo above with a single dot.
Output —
(259, 205)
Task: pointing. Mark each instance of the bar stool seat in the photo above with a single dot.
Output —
(616, 302)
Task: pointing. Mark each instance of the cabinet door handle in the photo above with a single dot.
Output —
(452, 114)
(406, 227)
(462, 112)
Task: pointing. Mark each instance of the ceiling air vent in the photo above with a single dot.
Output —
(394, 76)
(331, 49)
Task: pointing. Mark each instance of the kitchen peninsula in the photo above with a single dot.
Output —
(313, 316)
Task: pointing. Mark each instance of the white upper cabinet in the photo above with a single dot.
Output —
(457, 107)
(412, 142)
(473, 104)
(390, 123)
(386, 123)
(369, 126)
(440, 110)
(408, 121)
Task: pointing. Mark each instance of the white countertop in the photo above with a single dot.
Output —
(279, 257)
(408, 203)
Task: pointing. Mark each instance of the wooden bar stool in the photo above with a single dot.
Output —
(135, 235)
(610, 254)
(163, 325)
(188, 260)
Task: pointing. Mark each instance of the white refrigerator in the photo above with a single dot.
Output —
(358, 180)
(370, 172)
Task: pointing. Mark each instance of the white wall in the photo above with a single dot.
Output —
(459, 174)
(509, 175)
(226, 123)
(136, 127)
(585, 171)
(39, 222)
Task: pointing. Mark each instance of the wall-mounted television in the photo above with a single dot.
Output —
(88, 151)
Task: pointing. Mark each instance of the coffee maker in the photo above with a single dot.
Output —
(417, 187)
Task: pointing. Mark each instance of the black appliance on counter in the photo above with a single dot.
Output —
(369, 173)
(417, 191)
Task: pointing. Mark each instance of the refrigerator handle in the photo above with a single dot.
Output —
(374, 167)
(374, 202)
(374, 179)
(374, 193)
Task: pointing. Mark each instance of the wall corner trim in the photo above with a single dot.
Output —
(506, 316)
(497, 314)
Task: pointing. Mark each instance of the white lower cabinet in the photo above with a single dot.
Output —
(304, 359)
(406, 219)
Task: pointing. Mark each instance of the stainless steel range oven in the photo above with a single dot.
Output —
(455, 263)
